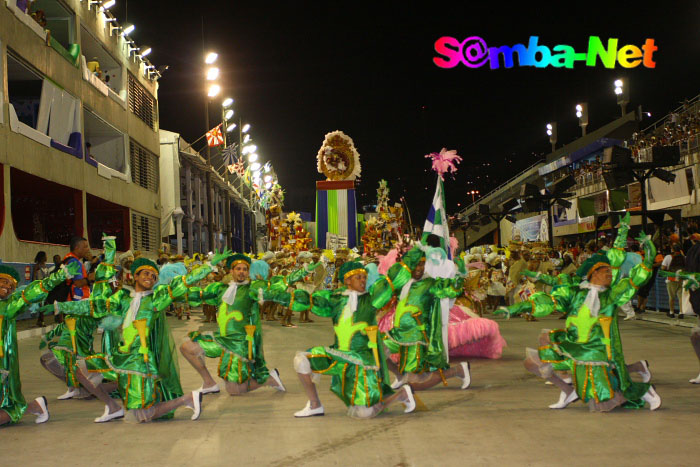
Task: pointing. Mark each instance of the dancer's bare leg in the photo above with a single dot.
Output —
(97, 391)
(4, 417)
(52, 365)
(168, 406)
(303, 369)
(435, 378)
(194, 354)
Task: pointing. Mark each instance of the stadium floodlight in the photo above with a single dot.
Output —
(227, 102)
(210, 58)
(230, 128)
(228, 114)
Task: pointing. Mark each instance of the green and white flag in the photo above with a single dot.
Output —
(436, 222)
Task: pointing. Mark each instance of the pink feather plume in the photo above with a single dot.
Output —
(444, 161)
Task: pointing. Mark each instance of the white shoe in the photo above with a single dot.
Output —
(197, 409)
(652, 398)
(307, 411)
(43, 417)
(410, 404)
(210, 390)
(110, 416)
(565, 400)
(69, 394)
(630, 315)
(646, 374)
(467, 379)
(695, 380)
(398, 382)
(275, 374)
(567, 379)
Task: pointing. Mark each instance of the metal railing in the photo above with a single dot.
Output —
(494, 192)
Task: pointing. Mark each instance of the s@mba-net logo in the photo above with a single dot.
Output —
(473, 52)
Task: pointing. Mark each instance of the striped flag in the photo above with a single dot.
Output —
(214, 136)
(436, 222)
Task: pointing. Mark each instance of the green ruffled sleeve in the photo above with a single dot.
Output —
(447, 288)
(542, 304)
(278, 284)
(321, 303)
(639, 275)
(389, 285)
(177, 290)
(538, 276)
(211, 294)
(105, 271)
(616, 255)
(33, 293)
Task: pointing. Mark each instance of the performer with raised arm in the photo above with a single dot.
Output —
(590, 346)
(145, 364)
(417, 332)
(238, 342)
(12, 303)
(355, 360)
(68, 344)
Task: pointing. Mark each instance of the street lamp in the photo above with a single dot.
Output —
(623, 94)
(228, 114)
(212, 73)
(231, 127)
(227, 102)
(211, 58)
(552, 133)
(253, 157)
(473, 193)
(245, 128)
(246, 139)
(255, 167)
(582, 114)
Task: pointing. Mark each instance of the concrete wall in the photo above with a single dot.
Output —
(25, 154)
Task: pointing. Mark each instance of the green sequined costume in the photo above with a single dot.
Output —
(230, 342)
(356, 378)
(145, 374)
(590, 347)
(11, 399)
(417, 332)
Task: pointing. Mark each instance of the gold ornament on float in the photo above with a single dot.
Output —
(338, 159)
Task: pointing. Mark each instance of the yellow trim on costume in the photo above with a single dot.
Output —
(170, 293)
(645, 267)
(41, 286)
(146, 266)
(353, 272)
(25, 299)
(291, 301)
(7, 276)
(391, 283)
(633, 284)
(403, 265)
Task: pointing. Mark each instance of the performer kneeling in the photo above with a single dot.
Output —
(355, 361)
(12, 304)
(147, 375)
(238, 342)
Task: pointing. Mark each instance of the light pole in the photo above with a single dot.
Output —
(473, 193)
(623, 95)
(582, 114)
(213, 90)
(552, 133)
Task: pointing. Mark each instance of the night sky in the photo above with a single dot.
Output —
(299, 70)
